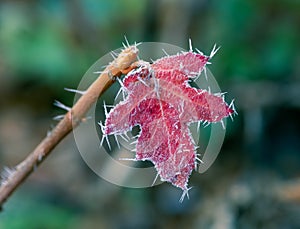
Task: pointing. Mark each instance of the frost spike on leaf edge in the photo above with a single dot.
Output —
(185, 193)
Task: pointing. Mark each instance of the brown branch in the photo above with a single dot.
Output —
(121, 65)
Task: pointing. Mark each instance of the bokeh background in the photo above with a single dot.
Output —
(46, 45)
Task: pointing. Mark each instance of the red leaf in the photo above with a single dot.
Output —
(162, 102)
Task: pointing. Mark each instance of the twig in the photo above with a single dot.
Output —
(121, 65)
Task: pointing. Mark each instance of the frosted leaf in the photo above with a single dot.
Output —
(160, 100)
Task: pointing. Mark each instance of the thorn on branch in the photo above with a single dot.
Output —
(5, 174)
(58, 117)
(61, 105)
(75, 91)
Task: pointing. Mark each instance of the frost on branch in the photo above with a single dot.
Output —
(160, 100)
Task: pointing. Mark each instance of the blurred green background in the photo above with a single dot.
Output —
(47, 45)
